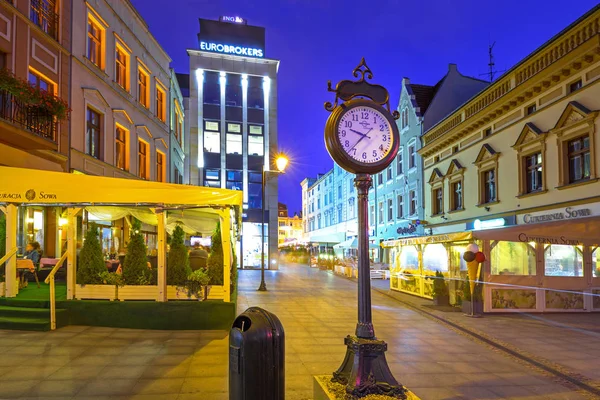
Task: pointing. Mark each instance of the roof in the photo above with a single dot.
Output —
(423, 95)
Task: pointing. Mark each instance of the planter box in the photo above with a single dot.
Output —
(95, 292)
(322, 390)
(141, 292)
(477, 307)
(215, 293)
(2, 289)
(442, 301)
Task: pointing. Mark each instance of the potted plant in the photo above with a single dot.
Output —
(138, 276)
(215, 258)
(178, 262)
(196, 284)
(441, 296)
(477, 298)
(90, 267)
(113, 279)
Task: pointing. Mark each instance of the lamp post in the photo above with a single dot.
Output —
(281, 163)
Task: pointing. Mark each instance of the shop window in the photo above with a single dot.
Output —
(563, 260)
(255, 177)
(255, 195)
(234, 128)
(255, 129)
(579, 159)
(121, 67)
(512, 258)
(38, 81)
(255, 145)
(212, 137)
(161, 167)
(435, 257)
(143, 87)
(399, 169)
(95, 42)
(390, 215)
(121, 154)
(234, 144)
(533, 166)
(212, 178)
(596, 263)
(234, 180)
(93, 134)
(409, 258)
(456, 259)
(400, 206)
(211, 93)
(161, 104)
(143, 160)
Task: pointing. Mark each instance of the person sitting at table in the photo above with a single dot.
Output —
(32, 252)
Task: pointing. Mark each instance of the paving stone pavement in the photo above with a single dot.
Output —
(317, 311)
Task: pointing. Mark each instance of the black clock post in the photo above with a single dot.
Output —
(364, 370)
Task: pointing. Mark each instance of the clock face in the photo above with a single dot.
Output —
(365, 134)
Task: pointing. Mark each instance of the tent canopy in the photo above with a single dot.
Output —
(353, 244)
(29, 186)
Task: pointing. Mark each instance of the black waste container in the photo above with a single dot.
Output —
(256, 356)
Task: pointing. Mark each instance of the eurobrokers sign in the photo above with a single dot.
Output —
(231, 49)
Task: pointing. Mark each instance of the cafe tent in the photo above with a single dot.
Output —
(196, 209)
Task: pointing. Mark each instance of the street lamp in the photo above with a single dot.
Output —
(281, 162)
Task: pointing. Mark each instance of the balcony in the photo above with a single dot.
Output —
(40, 125)
(43, 14)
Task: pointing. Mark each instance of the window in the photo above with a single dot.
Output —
(512, 258)
(380, 178)
(575, 86)
(43, 14)
(400, 206)
(234, 144)
(143, 87)
(457, 195)
(212, 137)
(399, 169)
(530, 109)
(212, 88)
(389, 173)
(454, 149)
(390, 210)
(178, 176)
(380, 221)
(234, 180)
(596, 263)
(413, 202)
(121, 67)
(411, 157)
(161, 104)
(533, 166)
(255, 145)
(438, 201)
(489, 186)
(121, 158)
(563, 260)
(339, 213)
(95, 39)
(39, 82)
(256, 97)
(143, 160)
(339, 192)
(2, 60)
(212, 178)
(233, 91)
(372, 214)
(579, 159)
(94, 134)
(178, 123)
(160, 167)
(255, 129)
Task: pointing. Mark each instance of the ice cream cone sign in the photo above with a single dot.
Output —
(474, 258)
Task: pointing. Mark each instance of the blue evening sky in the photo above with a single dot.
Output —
(320, 40)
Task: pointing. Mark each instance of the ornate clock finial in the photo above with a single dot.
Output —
(359, 70)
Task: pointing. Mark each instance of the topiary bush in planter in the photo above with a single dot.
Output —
(91, 262)
(215, 258)
(135, 268)
(2, 245)
(441, 297)
(477, 296)
(178, 262)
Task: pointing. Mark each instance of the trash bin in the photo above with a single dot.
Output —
(256, 356)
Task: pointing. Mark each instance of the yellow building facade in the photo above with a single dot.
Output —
(516, 170)
(290, 230)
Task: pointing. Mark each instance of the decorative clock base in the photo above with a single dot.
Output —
(365, 370)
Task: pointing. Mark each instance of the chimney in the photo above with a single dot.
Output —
(452, 68)
(405, 81)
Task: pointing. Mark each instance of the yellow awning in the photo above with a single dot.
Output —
(30, 186)
(448, 237)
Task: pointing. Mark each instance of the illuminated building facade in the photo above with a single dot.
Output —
(231, 108)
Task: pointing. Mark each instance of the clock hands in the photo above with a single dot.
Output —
(362, 137)
(361, 134)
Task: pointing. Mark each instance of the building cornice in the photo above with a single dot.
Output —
(253, 60)
(575, 48)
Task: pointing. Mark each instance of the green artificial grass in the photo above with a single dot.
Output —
(175, 315)
(31, 292)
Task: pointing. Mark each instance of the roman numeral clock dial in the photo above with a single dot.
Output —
(365, 135)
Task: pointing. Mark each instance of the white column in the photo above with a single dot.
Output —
(266, 141)
(162, 256)
(226, 241)
(72, 250)
(200, 121)
(12, 287)
(245, 136)
(222, 84)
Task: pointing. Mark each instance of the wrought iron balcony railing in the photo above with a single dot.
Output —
(43, 14)
(35, 119)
